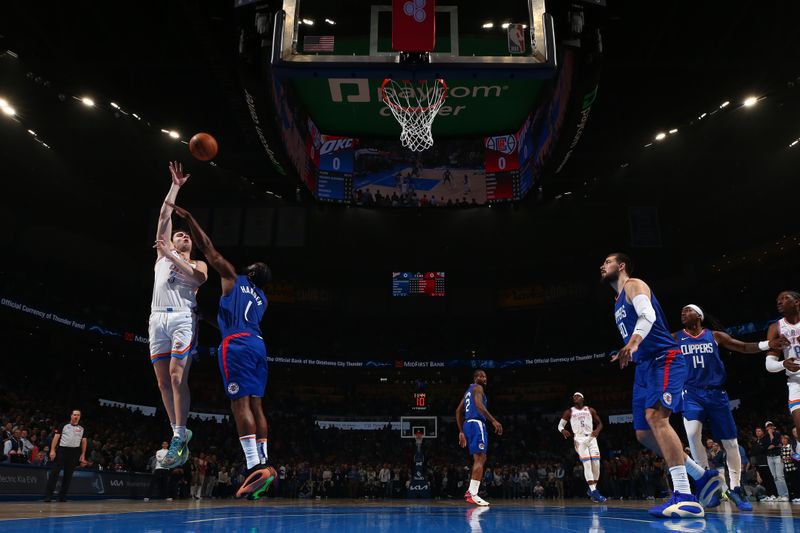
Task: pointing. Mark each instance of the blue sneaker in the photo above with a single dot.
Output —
(739, 497)
(709, 488)
(679, 506)
(173, 458)
(183, 453)
(596, 496)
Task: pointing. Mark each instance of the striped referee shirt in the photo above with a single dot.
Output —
(71, 436)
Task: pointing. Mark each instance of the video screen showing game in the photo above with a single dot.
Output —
(417, 284)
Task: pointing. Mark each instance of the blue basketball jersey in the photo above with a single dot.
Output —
(658, 341)
(241, 310)
(702, 359)
(470, 410)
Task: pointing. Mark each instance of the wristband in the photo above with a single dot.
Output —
(763, 346)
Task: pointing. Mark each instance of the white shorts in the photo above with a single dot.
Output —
(794, 396)
(587, 449)
(172, 334)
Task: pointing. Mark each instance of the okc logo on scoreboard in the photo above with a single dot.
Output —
(505, 144)
(336, 154)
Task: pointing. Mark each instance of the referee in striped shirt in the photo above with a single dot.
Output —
(71, 446)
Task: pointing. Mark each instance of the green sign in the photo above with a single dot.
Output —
(353, 107)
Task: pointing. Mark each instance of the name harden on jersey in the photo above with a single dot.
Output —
(249, 290)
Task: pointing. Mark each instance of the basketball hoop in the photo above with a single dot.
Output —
(418, 438)
(414, 107)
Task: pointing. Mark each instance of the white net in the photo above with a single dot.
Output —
(415, 105)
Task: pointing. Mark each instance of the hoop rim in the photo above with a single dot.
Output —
(419, 109)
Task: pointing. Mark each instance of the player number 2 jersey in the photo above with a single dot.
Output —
(657, 342)
(581, 422)
(791, 332)
(241, 310)
(702, 359)
(470, 410)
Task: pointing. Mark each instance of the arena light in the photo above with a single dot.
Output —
(308, 22)
(32, 132)
(115, 106)
(701, 117)
(660, 136)
(506, 25)
(88, 102)
(329, 21)
(174, 134)
(137, 117)
(724, 104)
(750, 101)
(488, 25)
(794, 143)
(673, 130)
(8, 110)
(3, 102)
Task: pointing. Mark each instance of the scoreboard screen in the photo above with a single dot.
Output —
(417, 284)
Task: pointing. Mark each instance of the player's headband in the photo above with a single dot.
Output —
(696, 309)
(578, 394)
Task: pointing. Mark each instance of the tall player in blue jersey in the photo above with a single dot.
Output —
(704, 394)
(658, 383)
(471, 417)
(242, 355)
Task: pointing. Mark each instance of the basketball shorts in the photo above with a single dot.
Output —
(172, 334)
(587, 449)
(658, 380)
(477, 436)
(243, 365)
(794, 396)
(712, 404)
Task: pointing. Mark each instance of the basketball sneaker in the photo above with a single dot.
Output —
(709, 488)
(172, 458)
(739, 497)
(475, 499)
(679, 506)
(183, 454)
(596, 496)
(256, 480)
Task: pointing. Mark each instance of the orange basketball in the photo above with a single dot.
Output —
(203, 146)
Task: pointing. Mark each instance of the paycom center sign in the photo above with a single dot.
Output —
(354, 106)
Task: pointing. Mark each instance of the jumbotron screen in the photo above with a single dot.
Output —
(418, 284)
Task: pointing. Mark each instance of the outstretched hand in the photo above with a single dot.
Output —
(176, 170)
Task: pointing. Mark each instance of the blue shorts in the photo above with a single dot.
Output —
(699, 404)
(243, 365)
(658, 380)
(477, 436)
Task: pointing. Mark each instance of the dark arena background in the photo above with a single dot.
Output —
(568, 132)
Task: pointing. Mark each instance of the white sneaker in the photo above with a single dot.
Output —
(796, 500)
(768, 499)
(147, 499)
(475, 499)
(782, 499)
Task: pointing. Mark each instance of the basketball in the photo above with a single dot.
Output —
(203, 146)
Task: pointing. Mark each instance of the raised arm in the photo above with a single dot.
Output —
(735, 345)
(226, 271)
(164, 228)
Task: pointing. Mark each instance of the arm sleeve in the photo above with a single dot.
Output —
(646, 313)
(562, 425)
(773, 365)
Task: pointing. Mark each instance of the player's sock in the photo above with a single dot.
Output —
(734, 458)
(262, 450)
(680, 481)
(474, 485)
(180, 432)
(173, 429)
(248, 443)
(692, 468)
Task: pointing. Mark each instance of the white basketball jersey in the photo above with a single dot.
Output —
(171, 288)
(791, 332)
(581, 420)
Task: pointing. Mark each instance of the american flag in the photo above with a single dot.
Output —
(318, 43)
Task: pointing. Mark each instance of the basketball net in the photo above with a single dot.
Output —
(418, 437)
(414, 106)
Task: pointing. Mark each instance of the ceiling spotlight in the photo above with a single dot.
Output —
(3, 102)
(673, 130)
(115, 106)
(648, 145)
(88, 102)
(701, 117)
(329, 21)
(724, 104)
(174, 134)
(137, 117)
(8, 110)
(32, 132)
(505, 25)
(750, 101)
(794, 142)
(308, 22)
(488, 25)
(661, 136)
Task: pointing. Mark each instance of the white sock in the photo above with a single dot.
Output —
(734, 459)
(474, 485)
(680, 481)
(262, 450)
(173, 428)
(179, 431)
(248, 443)
(693, 469)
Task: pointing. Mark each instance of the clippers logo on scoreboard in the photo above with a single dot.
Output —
(336, 154)
(501, 153)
